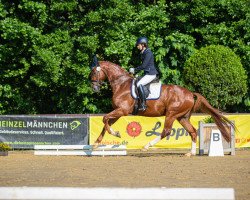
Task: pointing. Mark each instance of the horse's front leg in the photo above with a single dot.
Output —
(100, 137)
(107, 126)
(108, 120)
(111, 118)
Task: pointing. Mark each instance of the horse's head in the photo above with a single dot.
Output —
(115, 74)
(97, 75)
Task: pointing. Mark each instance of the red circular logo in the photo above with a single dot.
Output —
(134, 129)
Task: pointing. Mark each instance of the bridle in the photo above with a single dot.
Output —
(97, 82)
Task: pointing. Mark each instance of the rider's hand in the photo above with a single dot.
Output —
(132, 70)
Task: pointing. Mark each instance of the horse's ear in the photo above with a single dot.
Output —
(94, 62)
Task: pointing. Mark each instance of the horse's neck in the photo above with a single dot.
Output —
(116, 75)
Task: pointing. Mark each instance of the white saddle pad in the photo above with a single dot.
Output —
(154, 88)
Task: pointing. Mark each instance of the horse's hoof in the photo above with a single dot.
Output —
(118, 134)
(144, 149)
(95, 145)
(189, 154)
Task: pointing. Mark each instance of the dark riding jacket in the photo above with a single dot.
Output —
(148, 64)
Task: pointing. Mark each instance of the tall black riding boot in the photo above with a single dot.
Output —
(142, 98)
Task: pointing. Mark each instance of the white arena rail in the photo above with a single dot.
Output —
(80, 150)
(43, 193)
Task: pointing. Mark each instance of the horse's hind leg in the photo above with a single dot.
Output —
(184, 121)
(166, 131)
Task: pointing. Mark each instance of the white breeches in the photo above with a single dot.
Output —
(146, 79)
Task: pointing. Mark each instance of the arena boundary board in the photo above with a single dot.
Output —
(80, 150)
(116, 193)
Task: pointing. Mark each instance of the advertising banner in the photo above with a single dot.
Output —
(242, 132)
(27, 131)
(137, 131)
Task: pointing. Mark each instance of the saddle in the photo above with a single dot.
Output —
(152, 90)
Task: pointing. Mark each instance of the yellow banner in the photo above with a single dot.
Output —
(137, 131)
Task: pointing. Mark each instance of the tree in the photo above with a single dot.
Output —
(216, 72)
(46, 46)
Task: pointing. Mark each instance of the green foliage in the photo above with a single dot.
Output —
(177, 49)
(208, 120)
(217, 22)
(217, 73)
(46, 46)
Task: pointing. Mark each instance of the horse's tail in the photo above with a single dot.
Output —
(221, 121)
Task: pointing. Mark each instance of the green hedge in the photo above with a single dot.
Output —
(217, 73)
(46, 46)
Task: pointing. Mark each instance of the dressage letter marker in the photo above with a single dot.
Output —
(216, 147)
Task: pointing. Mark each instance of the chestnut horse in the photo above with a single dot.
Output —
(175, 103)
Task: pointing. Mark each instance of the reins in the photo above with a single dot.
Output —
(112, 81)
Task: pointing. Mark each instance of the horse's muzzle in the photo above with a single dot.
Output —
(95, 87)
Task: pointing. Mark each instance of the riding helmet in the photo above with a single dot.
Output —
(142, 40)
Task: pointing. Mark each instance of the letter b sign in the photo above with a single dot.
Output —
(216, 147)
(216, 137)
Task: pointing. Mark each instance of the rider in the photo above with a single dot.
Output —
(148, 65)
